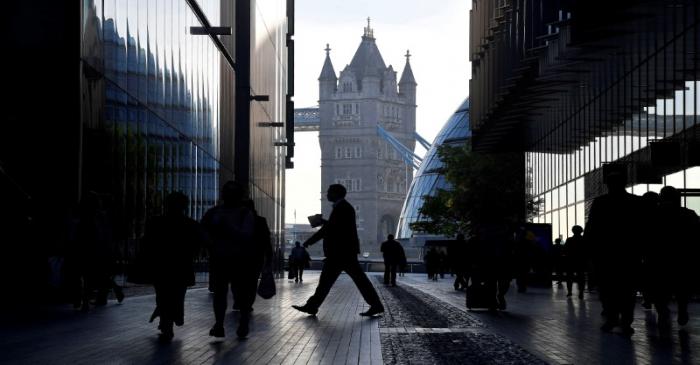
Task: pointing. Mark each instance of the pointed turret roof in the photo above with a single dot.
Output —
(367, 60)
(328, 72)
(407, 75)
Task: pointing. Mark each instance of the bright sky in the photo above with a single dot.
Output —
(436, 35)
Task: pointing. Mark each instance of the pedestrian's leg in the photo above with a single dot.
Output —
(179, 292)
(223, 278)
(358, 276)
(329, 274)
(683, 293)
(393, 274)
(569, 281)
(581, 280)
(387, 273)
(301, 273)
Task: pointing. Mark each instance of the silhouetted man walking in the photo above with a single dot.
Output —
(299, 260)
(391, 249)
(676, 260)
(613, 231)
(340, 246)
(575, 258)
(233, 252)
(170, 244)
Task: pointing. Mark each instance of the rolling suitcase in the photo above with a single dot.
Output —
(479, 296)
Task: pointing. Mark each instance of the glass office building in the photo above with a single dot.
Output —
(158, 106)
(133, 99)
(429, 178)
(584, 92)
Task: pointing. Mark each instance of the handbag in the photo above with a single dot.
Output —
(266, 287)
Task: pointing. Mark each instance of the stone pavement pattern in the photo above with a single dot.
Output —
(425, 323)
(566, 330)
(120, 333)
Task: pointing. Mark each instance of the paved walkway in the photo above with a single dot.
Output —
(426, 323)
(565, 330)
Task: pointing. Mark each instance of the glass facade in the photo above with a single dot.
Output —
(158, 106)
(150, 100)
(428, 178)
(589, 92)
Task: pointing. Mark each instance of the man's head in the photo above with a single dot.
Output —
(336, 192)
(297, 243)
(557, 241)
(176, 203)
(616, 182)
(577, 230)
(390, 237)
(651, 198)
(670, 197)
(233, 193)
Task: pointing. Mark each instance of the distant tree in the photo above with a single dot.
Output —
(483, 188)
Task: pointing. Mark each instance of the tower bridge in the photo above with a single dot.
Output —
(366, 120)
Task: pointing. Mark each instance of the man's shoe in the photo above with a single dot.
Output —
(306, 309)
(683, 318)
(580, 295)
(372, 311)
(217, 331)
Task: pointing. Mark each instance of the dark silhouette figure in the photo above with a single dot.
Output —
(674, 264)
(431, 260)
(261, 258)
(403, 261)
(493, 263)
(392, 251)
(613, 231)
(170, 244)
(340, 246)
(650, 240)
(90, 256)
(558, 259)
(299, 259)
(457, 257)
(442, 263)
(575, 261)
(231, 238)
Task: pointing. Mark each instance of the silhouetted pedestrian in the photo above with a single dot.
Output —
(299, 259)
(558, 259)
(493, 263)
(676, 267)
(340, 246)
(575, 261)
(403, 262)
(391, 250)
(457, 257)
(443, 264)
(613, 231)
(231, 228)
(170, 244)
(91, 255)
(431, 263)
(261, 258)
(651, 239)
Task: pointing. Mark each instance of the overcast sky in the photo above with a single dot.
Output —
(436, 33)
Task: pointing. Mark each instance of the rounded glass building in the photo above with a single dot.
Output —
(428, 178)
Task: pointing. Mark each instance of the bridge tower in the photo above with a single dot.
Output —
(351, 105)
